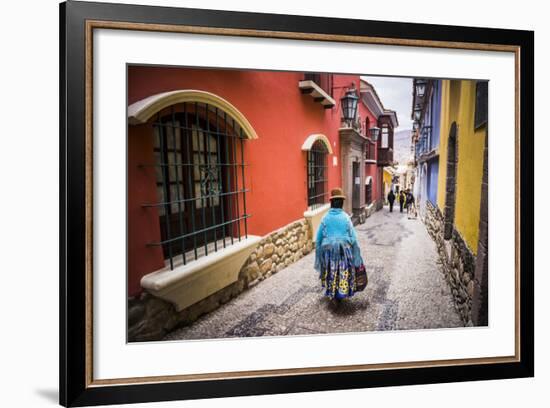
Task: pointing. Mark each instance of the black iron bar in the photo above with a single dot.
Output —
(191, 176)
(236, 175)
(309, 178)
(318, 185)
(220, 177)
(316, 156)
(227, 176)
(165, 177)
(201, 153)
(174, 239)
(182, 158)
(243, 184)
(317, 166)
(210, 182)
(160, 204)
(176, 170)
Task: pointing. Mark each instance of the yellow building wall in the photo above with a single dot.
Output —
(387, 178)
(387, 183)
(458, 104)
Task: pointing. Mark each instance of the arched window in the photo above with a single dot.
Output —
(200, 178)
(317, 177)
(450, 189)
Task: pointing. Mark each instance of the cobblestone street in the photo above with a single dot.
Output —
(406, 290)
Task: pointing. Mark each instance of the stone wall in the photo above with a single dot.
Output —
(150, 318)
(457, 260)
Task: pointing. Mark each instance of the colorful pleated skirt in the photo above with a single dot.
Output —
(337, 271)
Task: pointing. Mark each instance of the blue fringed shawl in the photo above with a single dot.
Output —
(335, 230)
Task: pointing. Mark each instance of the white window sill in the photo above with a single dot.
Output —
(198, 279)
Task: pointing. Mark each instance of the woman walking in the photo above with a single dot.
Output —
(337, 253)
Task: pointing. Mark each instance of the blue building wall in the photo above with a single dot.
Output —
(435, 114)
(430, 137)
(433, 174)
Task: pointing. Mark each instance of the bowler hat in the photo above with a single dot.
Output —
(337, 193)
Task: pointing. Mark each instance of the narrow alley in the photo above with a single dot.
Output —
(406, 290)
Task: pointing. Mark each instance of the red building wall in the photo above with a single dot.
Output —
(276, 176)
(341, 84)
(276, 173)
(143, 224)
(372, 169)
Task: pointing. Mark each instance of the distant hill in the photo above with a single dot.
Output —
(402, 146)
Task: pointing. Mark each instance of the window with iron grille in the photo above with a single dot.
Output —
(317, 177)
(368, 192)
(200, 178)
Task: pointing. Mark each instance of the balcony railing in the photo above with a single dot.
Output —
(385, 156)
(423, 147)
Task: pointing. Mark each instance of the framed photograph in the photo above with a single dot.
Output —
(256, 204)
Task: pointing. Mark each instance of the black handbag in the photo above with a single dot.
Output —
(361, 278)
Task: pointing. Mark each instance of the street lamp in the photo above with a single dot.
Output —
(374, 132)
(420, 85)
(349, 105)
(417, 112)
(416, 125)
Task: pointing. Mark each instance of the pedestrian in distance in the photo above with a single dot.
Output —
(391, 199)
(337, 253)
(401, 201)
(411, 206)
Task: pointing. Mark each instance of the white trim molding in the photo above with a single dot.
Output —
(311, 139)
(141, 111)
(370, 98)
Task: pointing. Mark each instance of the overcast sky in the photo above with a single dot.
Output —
(395, 94)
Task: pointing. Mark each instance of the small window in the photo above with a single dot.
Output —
(482, 102)
(368, 192)
(385, 136)
(317, 178)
